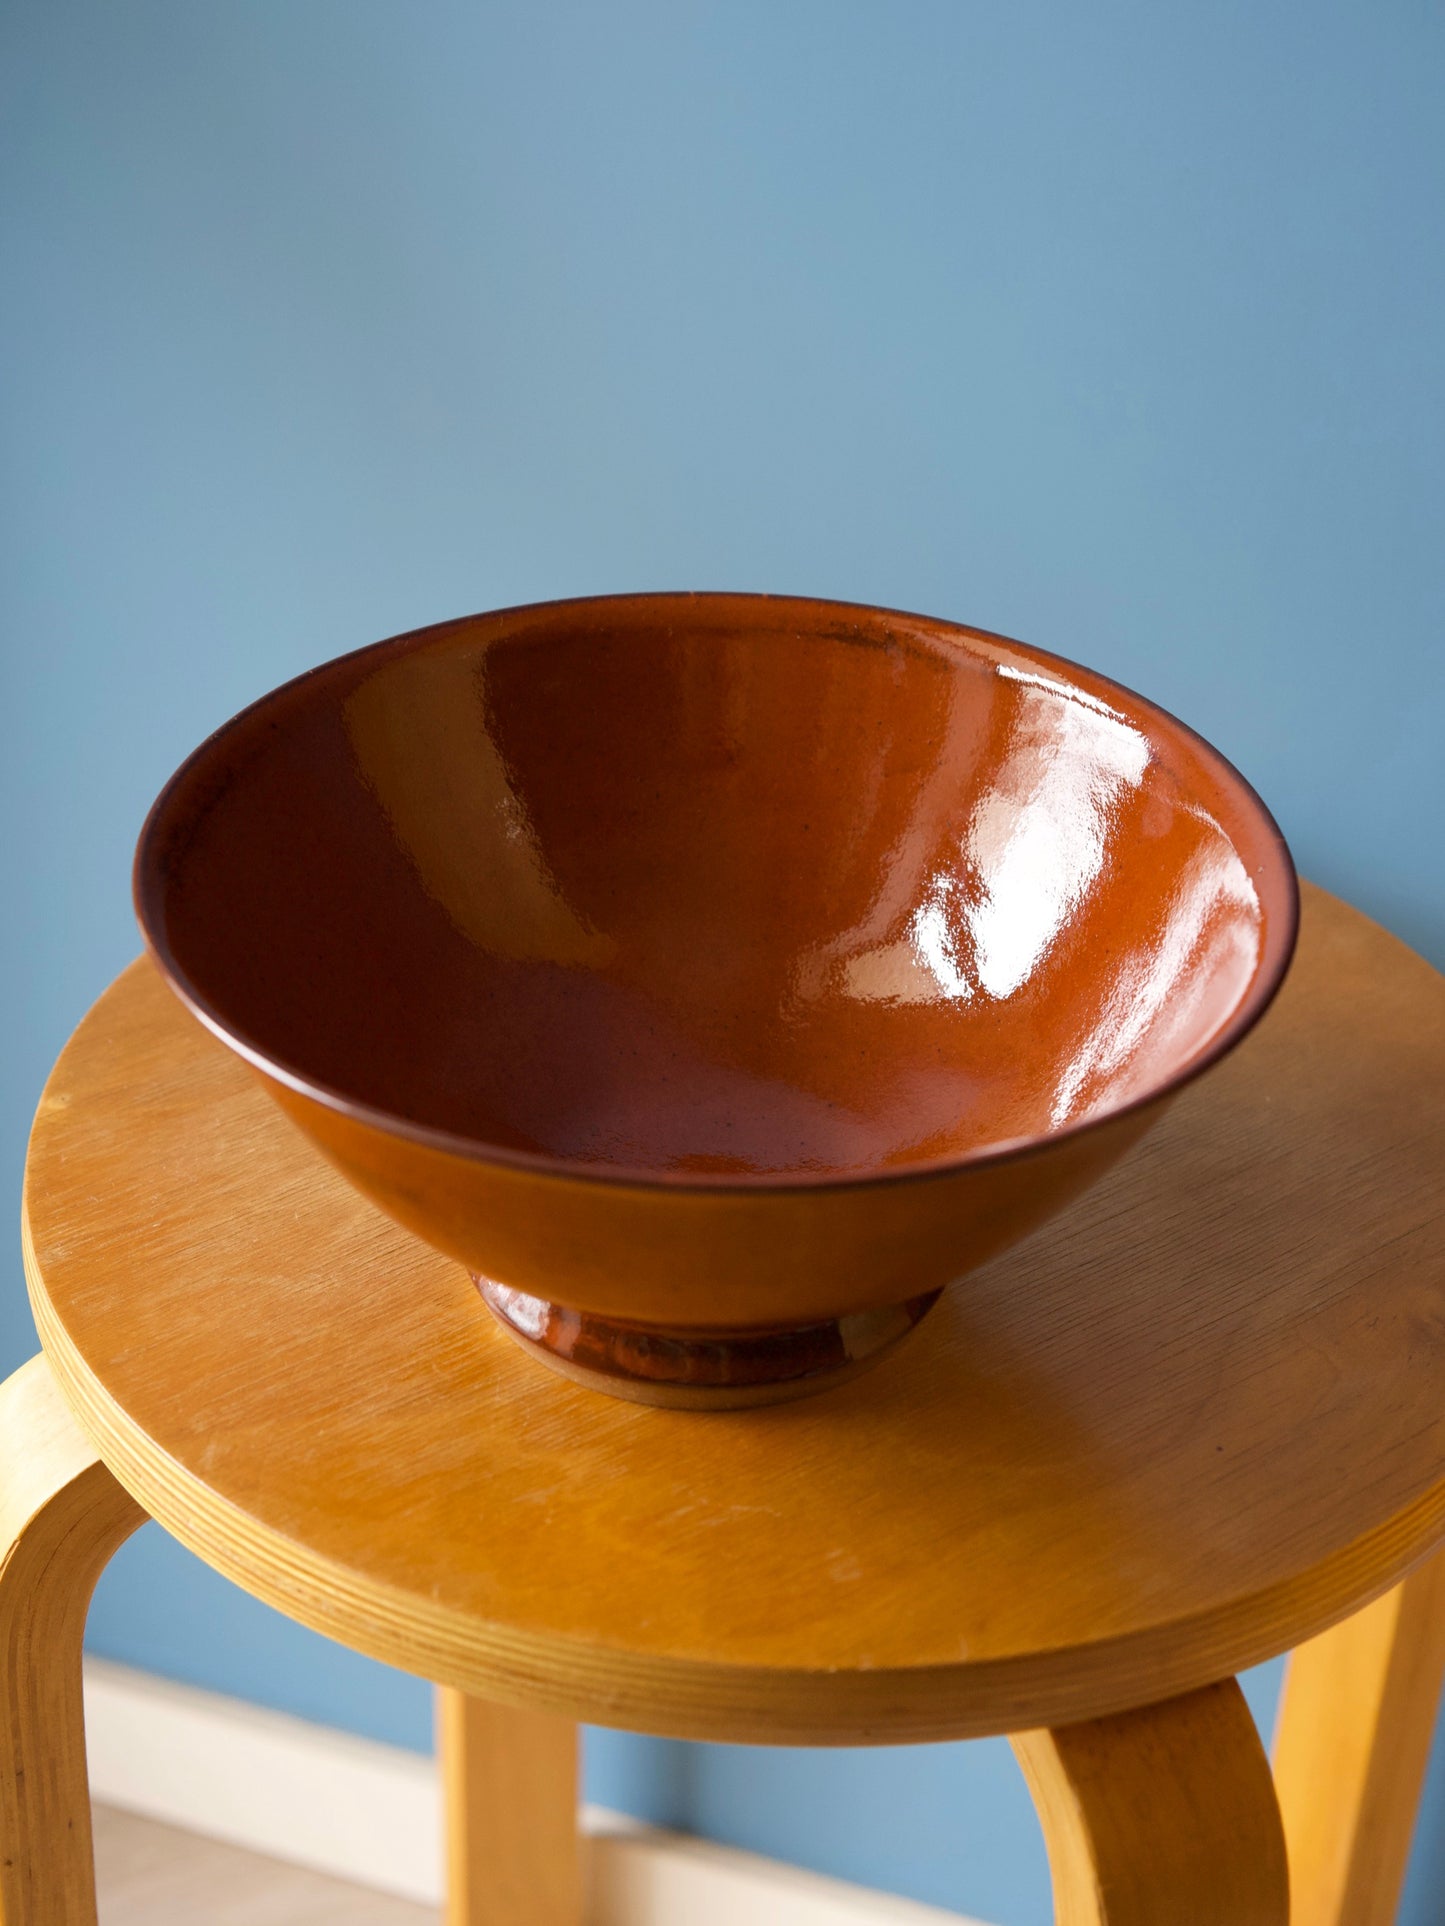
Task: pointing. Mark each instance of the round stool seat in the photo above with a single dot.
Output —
(1193, 1421)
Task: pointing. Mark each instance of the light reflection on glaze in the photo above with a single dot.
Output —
(1038, 838)
(1183, 986)
(1039, 835)
(934, 934)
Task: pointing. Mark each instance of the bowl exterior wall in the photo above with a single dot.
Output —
(712, 1259)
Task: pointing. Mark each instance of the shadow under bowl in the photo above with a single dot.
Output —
(717, 977)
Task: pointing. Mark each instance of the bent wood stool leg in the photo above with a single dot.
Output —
(1165, 1814)
(509, 1784)
(62, 1515)
(1351, 1748)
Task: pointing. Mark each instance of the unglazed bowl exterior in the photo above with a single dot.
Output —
(716, 964)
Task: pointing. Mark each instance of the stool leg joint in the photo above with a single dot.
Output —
(62, 1516)
(1166, 1813)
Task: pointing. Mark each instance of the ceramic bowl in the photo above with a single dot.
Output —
(717, 977)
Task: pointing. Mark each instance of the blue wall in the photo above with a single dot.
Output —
(1115, 327)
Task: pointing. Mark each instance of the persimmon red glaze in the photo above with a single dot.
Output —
(716, 961)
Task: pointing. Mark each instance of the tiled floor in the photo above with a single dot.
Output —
(153, 1875)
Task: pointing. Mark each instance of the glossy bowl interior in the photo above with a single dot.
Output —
(719, 892)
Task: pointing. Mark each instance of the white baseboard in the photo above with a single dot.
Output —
(372, 1813)
(281, 1786)
(665, 1879)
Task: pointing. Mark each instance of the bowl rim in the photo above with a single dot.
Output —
(1281, 930)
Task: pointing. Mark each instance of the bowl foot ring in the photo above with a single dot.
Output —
(699, 1370)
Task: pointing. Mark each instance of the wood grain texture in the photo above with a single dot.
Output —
(62, 1514)
(1353, 1742)
(509, 1783)
(1165, 1814)
(1192, 1422)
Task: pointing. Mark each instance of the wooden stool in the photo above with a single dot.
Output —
(1194, 1422)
